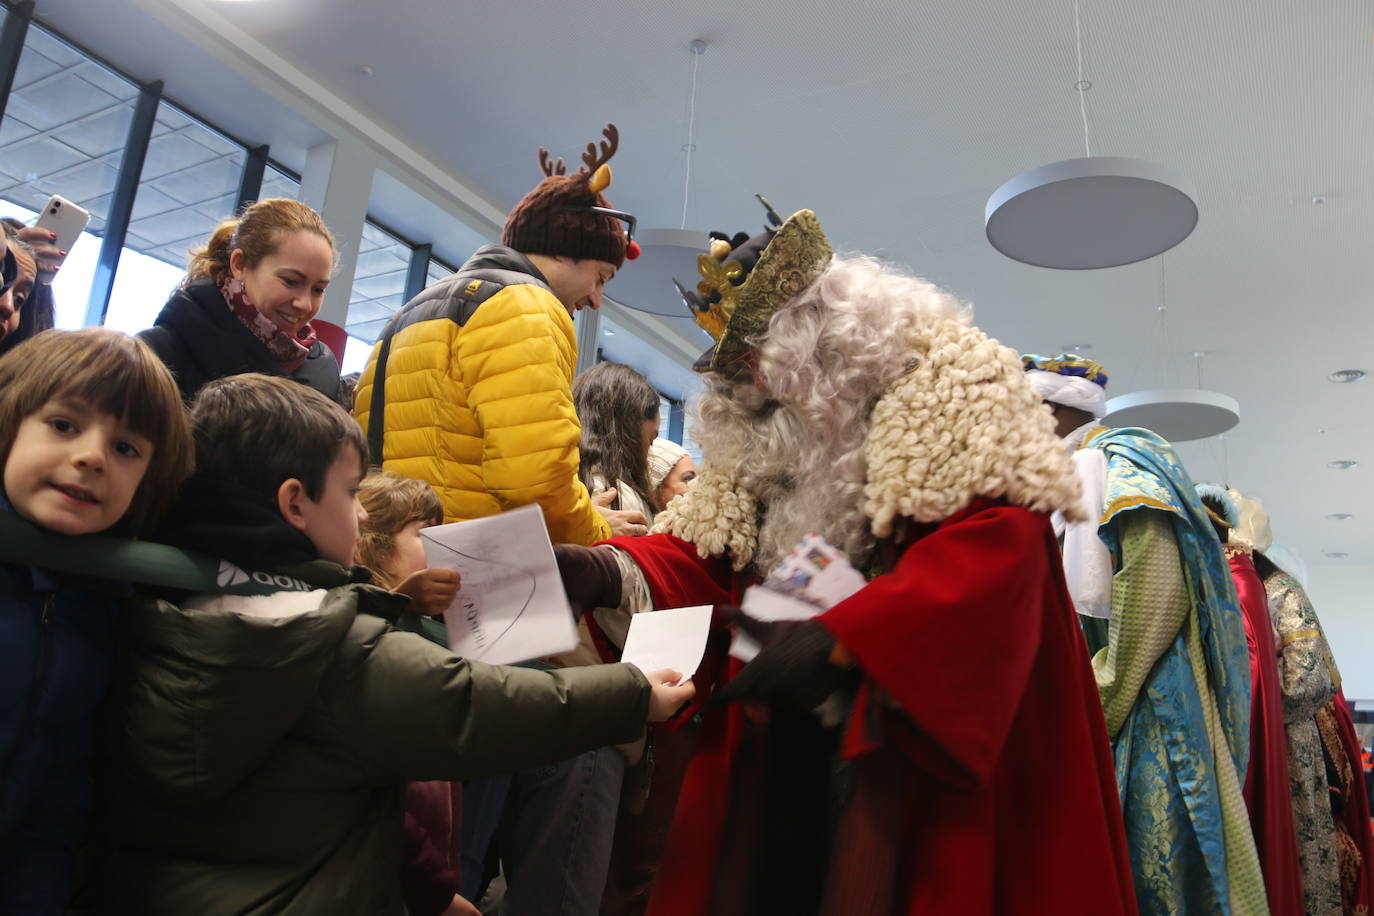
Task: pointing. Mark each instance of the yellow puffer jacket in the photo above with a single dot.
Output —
(477, 396)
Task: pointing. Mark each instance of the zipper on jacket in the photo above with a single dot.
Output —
(31, 698)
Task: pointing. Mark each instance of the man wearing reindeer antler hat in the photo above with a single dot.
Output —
(469, 387)
(846, 399)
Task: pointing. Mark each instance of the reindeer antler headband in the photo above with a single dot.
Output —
(596, 164)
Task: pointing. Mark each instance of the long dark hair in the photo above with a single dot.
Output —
(613, 401)
(36, 314)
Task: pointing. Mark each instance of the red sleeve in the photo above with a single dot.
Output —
(952, 633)
(427, 882)
(677, 576)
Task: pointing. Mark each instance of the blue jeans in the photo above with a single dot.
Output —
(556, 835)
(483, 802)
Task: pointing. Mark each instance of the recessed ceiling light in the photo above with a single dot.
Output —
(1346, 375)
(1340, 516)
(1336, 554)
(608, 333)
(365, 70)
(1342, 465)
(1075, 347)
(1318, 200)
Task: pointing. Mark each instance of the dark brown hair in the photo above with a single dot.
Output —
(259, 231)
(35, 312)
(259, 431)
(115, 374)
(612, 402)
(392, 502)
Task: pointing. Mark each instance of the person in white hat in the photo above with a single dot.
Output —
(671, 469)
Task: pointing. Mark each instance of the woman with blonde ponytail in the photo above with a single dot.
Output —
(249, 296)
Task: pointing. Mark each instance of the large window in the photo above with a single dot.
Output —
(379, 284)
(276, 183)
(437, 271)
(189, 184)
(66, 123)
(65, 129)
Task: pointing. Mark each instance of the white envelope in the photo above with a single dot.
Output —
(668, 639)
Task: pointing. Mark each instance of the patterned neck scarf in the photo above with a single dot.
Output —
(287, 350)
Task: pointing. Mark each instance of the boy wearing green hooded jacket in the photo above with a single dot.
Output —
(260, 738)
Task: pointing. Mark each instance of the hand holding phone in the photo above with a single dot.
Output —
(65, 221)
(47, 255)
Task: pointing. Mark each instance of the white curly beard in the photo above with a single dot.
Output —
(763, 459)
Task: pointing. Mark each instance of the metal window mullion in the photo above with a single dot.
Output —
(418, 272)
(122, 201)
(676, 417)
(11, 46)
(250, 181)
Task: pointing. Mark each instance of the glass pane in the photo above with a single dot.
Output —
(189, 184)
(665, 417)
(64, 130)
(378, 290)
(436, 273)
(276, 183)
(65, 126)
(692, 448)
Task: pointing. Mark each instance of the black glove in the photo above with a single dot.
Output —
(765, 632)
(591, 577)
(792, 670)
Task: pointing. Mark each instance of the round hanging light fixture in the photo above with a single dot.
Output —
(1092, 212)
(665, 253)
(1177, 414)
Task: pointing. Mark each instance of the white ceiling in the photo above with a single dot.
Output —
(894, 122)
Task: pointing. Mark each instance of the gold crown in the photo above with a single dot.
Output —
(796, 255)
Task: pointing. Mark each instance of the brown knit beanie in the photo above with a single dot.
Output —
(542, 223)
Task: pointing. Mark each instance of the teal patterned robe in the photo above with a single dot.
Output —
(1175, 684)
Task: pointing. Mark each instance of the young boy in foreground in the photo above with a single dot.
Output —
(261, 741)
(92, 439)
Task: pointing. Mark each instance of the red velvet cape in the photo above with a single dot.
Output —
(1356, 806)
(678, 577)
(1008, 800)
(1268, 793)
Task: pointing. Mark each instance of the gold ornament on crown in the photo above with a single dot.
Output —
(717, 277)
(795, 256)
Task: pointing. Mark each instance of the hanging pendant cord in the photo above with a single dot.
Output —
(1081, 86)
(690, 147)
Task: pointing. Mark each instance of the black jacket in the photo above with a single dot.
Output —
(201, 340)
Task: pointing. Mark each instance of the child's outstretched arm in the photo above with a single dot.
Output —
(415, 711)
